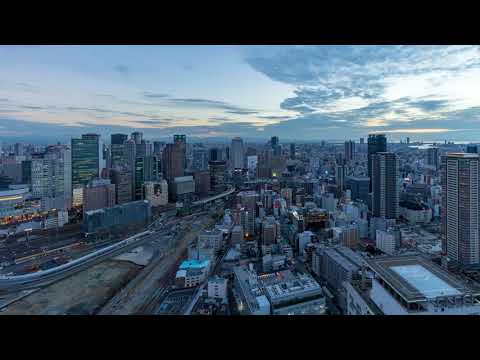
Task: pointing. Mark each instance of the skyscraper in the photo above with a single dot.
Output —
(122, 179)
(292, 151)
(217, 175)
(349, 150)
(432, 157)
(237, 153)
(385, 195)
(117, 150)
(85, 159)
(181, 141)
(137, 137)
(172, 164)
(376, 143)
(340, 177)
(460, 207)
(200, 159)
(118, 139)
(51, 177)
(215, 154)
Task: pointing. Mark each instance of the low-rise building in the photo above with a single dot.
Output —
(413, 285)
(217, 288)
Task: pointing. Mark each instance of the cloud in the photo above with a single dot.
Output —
(371, 86)
(123, 69)
(242, 112)
(154, 95)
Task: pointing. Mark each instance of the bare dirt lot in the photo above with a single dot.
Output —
(81, 294)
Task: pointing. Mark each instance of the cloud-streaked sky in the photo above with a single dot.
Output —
(295, 92)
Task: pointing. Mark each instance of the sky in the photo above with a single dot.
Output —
(304, 93)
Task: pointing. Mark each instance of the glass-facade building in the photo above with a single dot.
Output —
(85, 159)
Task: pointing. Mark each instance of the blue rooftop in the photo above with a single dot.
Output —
(194, 264)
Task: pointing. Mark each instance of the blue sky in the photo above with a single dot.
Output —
(295, 92)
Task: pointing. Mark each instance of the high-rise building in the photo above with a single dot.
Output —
(292, 151)
(158, 147)
(200, 159)
(172, 165)
(472, 149)
(202, 183)
(181, 141)
(460, 207)
(385, 194)
(376, 143)
(277, 149)
(137, 137)
(51, 177)
(117, 150)
(432, 157)
(98, 194)
(349, 150)
(118, 139)
(340, 177)
(237, 153)
(85, 159)
(362, 141)
(146, 169)
(358, 185)
(215, 154)
(18, 149)
(217, 175)
(122, 179)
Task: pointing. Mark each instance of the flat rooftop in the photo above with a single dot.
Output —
(415, 278)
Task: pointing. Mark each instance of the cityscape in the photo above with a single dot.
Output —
(114, 215)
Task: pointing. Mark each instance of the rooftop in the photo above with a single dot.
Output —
(194, 264)
(415, 278)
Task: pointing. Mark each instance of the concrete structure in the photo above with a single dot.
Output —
(460, 208)
(237, 153)
(172, 165)
(192, 273)
(376, 143)
(156, 192)
(135, 213)
(386, 242)
(413, 285)
(349, 150)
(217, 175)
(217, 288)
(350, 236)
(359, 186)
(211, 238)
(11, 201)
(52, 177)
(98, 194)
(202, 183)
(184, 188)
(121, 177)
(237, 235)
(385, 194)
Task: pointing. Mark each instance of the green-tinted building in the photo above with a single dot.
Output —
(85, 159)
(146, 169)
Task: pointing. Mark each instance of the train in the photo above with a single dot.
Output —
(78, 261)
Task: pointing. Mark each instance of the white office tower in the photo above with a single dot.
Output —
(460, 202)
(237, 153)
(52, 177)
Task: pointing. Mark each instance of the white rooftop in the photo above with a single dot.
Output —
(424, 281)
